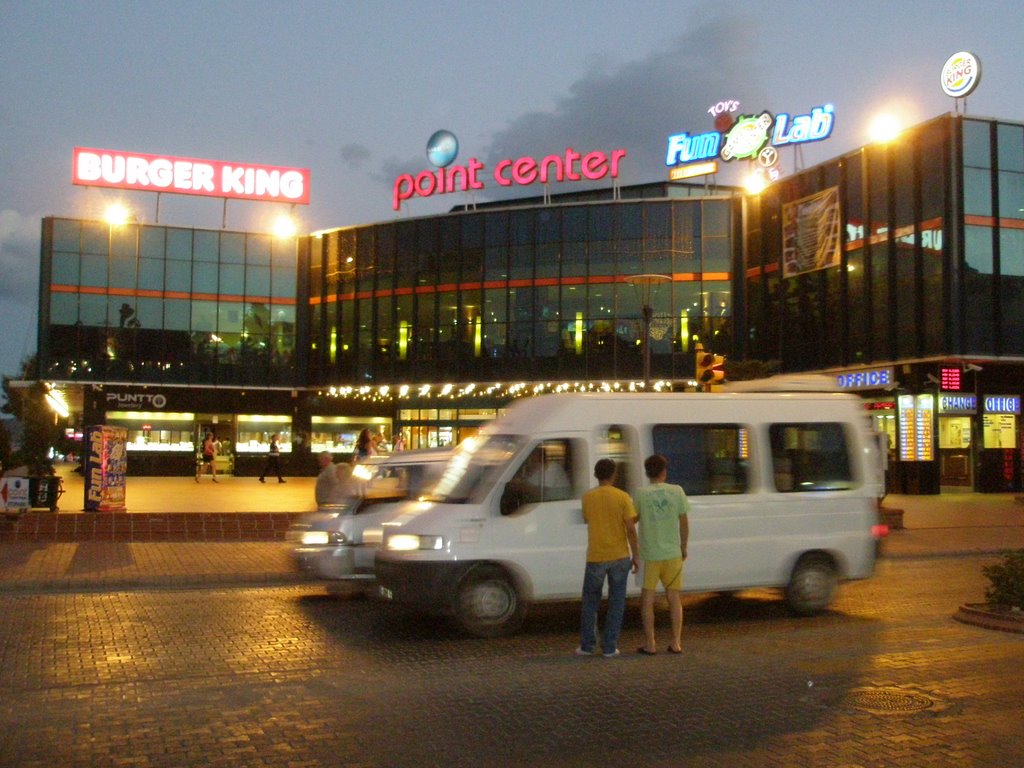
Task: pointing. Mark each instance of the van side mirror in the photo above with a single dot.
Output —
(511, 498)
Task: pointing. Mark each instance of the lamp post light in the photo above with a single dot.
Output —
(646, 285)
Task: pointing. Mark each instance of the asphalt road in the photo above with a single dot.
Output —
(292, 676)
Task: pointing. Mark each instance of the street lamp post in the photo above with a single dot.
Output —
(645, 285)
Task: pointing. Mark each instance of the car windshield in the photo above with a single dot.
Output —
(397, 482)
(475, 467)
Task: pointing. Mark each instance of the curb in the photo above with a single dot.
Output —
(188, 581)
(932, 555)
(991, 617)
(132, 527)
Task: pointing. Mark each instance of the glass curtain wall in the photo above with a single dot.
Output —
(845, 263)
(534, 294)
(158, 304)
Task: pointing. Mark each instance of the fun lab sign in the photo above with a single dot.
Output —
(754, 136)
(569, 165)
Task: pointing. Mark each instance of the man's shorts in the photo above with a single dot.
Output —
(667, 572)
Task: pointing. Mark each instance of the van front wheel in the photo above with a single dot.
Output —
(487, 603)
(812, 585)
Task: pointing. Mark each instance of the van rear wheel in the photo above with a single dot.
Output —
(488, 604)
(812, 584)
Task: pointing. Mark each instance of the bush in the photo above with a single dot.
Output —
(1006, 580)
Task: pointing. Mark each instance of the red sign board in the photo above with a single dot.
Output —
(189, 176)
(949, 379)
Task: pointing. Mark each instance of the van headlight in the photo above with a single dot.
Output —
(320, 538)
(407, 541)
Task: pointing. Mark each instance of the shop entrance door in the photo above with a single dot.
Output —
(222, 426)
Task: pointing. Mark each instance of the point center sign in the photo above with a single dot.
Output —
(568, 166)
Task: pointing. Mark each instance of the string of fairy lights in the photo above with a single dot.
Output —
(498, 390)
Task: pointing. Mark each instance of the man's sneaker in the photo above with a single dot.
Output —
(580, 652)
(611, 655)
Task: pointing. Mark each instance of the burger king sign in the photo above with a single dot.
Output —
(961, 74)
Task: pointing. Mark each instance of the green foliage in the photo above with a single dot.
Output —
(5, 445)
(1006, 580)
(40, 429)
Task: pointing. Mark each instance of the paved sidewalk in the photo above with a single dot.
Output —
(149, 495)
(934, 526)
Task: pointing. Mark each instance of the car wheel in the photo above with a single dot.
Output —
(487, 603)
(812, 584)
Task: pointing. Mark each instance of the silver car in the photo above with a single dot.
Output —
(338, 541)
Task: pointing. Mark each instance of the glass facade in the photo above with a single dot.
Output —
(522, 294)
(157, 304)
(930, 256)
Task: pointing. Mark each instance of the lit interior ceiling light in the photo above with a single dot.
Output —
(55, 399)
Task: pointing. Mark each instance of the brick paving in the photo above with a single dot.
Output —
(97, 669)
(287, 676)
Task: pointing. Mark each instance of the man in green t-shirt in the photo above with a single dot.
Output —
(664, 529)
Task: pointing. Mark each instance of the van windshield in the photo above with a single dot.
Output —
(474, 469)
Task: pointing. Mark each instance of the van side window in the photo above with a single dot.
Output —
(810, 457)
(705, 458)
(546, 474)
(614, 443)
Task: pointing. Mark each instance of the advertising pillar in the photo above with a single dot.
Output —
(106, 468)
(918, 469)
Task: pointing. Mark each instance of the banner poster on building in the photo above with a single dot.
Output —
(106, 467)
(810, 233)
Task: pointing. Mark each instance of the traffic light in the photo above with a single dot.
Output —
(704, 362)
(710, 368)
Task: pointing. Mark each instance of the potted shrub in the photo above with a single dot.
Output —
(1006, 581)
(1005, 594)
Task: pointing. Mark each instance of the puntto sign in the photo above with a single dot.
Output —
(189, 176)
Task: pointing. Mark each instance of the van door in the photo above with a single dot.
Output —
(728, 547)
(815, 506)
(539, 524)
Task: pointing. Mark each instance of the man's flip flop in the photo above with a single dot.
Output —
(645, 652)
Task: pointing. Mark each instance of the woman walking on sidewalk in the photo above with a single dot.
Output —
(273, 465)
(209, 458)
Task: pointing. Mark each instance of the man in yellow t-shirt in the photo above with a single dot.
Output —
(611, 553)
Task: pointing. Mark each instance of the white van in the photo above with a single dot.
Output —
(337, 542)
(784, 491)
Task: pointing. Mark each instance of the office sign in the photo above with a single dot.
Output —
(873, 378)
(1009, 404)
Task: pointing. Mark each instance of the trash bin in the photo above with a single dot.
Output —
(44, 492)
